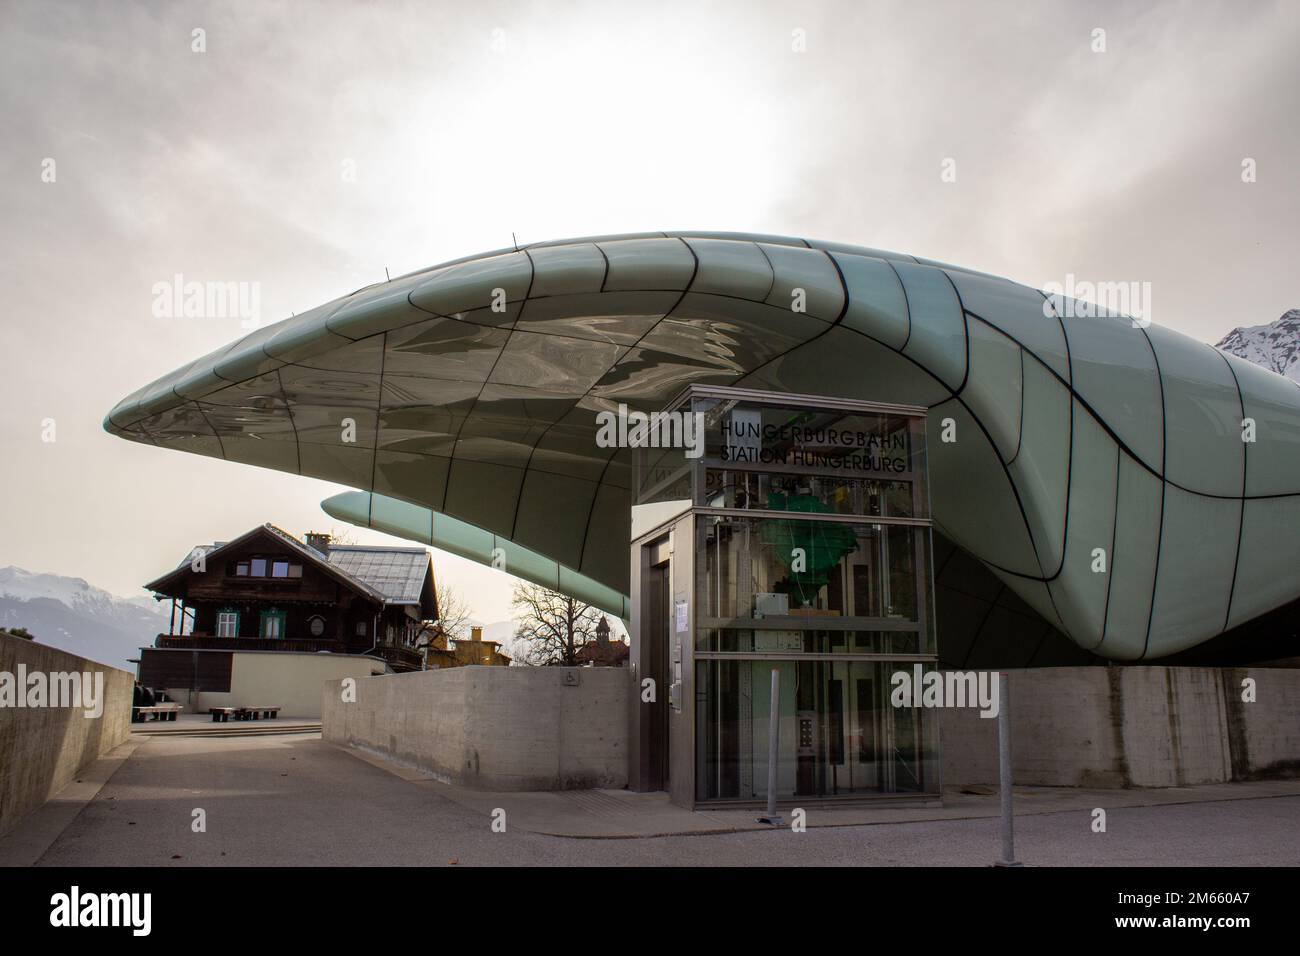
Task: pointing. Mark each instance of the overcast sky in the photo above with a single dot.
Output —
(467, 121)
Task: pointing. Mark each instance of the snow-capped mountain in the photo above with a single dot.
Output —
(1276, 346)
(75, 616)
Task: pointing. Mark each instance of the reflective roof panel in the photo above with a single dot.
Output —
(464, 397)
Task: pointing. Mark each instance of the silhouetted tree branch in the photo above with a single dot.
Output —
(552, 627)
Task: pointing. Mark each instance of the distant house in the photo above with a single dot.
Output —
(442, 650)
(602, 652)
(267, 592)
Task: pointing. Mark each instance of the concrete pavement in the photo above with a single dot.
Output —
(295, 800)
(613, 814)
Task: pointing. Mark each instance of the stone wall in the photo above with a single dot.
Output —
(522, 728)
(1133, 727)
(43, 748)
(492, 728)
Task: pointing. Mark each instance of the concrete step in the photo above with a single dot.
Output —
(238, 729)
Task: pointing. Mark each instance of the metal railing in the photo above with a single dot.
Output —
(398, 656)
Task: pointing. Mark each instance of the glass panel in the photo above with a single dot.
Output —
(812, 494)
(803, 442)
(280, 569)
(762, 455)
(802, 577)
(838, 733)
(258, 567)
(777, 640)
(662, 474)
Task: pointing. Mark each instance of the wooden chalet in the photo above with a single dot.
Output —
(268, 591)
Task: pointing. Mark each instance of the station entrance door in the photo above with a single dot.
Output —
(786, 534)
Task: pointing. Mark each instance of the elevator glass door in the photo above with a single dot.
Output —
(802, 541)
(839, 736)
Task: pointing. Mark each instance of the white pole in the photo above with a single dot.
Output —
(773, 751)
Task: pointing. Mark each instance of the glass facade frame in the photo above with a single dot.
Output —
(810, 530)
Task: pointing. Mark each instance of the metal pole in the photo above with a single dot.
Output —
(773, 749)
(1004, 771)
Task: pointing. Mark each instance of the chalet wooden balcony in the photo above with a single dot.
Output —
(399, 658)
(239, 590)
(204, 642)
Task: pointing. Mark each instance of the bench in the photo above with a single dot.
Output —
(221, 715)
(257, 713)
(155, 712)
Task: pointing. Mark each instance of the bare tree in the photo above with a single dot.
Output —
(341, 536)
(453, 612)
(552, 627)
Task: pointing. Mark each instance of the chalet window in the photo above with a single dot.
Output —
(361, 628)
(241, 569)
(316, 625)
(273, 624)
(295, 570)
(258, 569)
(279, 569)
(227, 624)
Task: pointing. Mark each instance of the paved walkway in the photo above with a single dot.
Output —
(295, 800)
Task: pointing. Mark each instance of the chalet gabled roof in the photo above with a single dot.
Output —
(398, 573)
(340, 572)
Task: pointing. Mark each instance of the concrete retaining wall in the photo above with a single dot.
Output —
(42, 748)
(492, 728)
(1133, 727)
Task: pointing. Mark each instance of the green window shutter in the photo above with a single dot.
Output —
(280, 617)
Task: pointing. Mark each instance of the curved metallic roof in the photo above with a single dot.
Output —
(474, 386)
